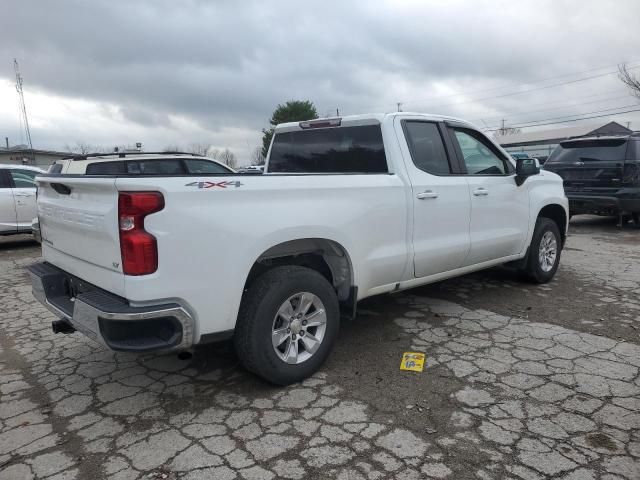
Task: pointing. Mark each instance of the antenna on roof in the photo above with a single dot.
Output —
(23, 108)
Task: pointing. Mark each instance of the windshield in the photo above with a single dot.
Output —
(589, 151)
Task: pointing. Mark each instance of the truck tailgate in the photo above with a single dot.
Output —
(79, 225)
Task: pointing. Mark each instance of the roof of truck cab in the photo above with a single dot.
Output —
(369, 118)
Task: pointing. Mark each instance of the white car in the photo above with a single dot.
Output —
(138, 163)
(347, 208)
(17, 198)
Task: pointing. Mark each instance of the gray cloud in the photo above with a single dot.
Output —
(227, 64)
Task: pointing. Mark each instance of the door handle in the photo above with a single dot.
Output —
(479, 192)
(427, 194)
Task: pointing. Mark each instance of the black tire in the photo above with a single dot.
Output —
(258, 310)
(533, 270)
(636, 218)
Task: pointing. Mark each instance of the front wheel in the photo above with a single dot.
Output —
(287, 325)
(544, 251)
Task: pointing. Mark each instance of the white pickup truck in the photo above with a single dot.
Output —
(347, 208)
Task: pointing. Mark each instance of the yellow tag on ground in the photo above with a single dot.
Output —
(413, 361)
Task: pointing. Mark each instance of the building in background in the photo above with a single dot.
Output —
(22, 155)
(543, 142)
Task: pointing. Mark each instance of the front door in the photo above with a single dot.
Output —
(7, 204)
(441, 205)
(499, 208)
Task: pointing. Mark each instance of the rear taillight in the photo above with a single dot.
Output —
(138, 247)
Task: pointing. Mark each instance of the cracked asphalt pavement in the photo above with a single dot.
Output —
(521, 382)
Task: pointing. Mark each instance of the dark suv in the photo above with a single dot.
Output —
(601, 174)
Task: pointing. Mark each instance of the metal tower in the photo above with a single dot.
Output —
(23, 108)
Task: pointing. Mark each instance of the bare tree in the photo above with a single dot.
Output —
(172, 148)
(82, 148)
(629, 79)
(201, 149)
(227, 157)
(257, 158)
(214, 153)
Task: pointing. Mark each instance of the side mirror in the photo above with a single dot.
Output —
(525, 167)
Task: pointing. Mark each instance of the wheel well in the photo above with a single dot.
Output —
(326, 257)
(556, 213)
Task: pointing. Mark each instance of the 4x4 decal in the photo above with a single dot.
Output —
(204, 184)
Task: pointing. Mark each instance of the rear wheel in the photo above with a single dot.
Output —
(288, 323)
(544, 251)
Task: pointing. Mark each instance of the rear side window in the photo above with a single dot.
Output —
(171, 166)
(633, 151)
(204, 166)
(329, 150)
(105, 168)
(589, 151)
(23, 178)
(427, 148)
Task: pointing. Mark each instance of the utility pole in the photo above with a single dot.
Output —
(399, 106)
(23, 109)
(337, 112)
(502, 129)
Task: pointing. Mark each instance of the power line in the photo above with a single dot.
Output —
(569, 121)
(567, 116)
(516, 85)
(560, 107)
(437, 97)
(569, 82)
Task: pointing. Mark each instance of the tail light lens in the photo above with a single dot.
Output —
(138, 247)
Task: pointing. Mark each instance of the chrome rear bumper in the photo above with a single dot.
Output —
(109, 319)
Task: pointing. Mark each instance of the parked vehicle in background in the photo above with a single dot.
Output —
(601, 175)
(348, 208)
(138, 163)
(519, 155)
(252, 170)
(17, 198)
(542, 159)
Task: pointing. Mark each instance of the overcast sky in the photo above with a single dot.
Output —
(180, 72)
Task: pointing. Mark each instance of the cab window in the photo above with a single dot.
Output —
(478, 155)
(427, 148)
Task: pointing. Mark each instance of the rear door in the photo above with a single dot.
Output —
(590, 165)
(7, 204)
(24, 193)
(499, 208)
(441, 205)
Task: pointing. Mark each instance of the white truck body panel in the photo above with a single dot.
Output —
(209, 238)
